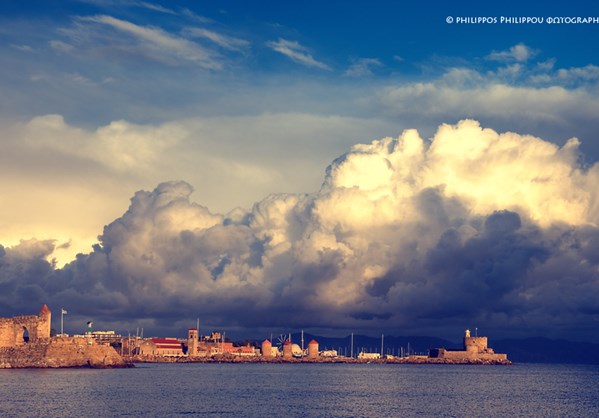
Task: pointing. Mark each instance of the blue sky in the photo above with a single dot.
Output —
(349, 45)
(250, 102)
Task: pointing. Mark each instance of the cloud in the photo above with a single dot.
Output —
(297, 53)
(519, 53)
(492, 99)
(227, 42)
(589, 73)
(474, 226)
(61, 46)
(23, 48)
(362, 67)
(157, 41)
(157, 8)
(23, 270)
(192, 15)
(119, 145)
(501, 99)
(79, 177)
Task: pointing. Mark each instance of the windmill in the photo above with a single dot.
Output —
(281, 341)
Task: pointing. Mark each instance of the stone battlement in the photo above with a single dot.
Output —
(476, 344)
(25, 342)
(19, 330)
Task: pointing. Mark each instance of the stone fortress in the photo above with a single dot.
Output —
(475, 349)
(25, 342)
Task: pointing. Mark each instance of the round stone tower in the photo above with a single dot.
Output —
(287, 350)
(266, 348)
(313, 349)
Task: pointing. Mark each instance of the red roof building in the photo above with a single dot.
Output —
(161, 347)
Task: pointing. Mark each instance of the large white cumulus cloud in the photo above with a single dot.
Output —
(64, 182)
(405, 233)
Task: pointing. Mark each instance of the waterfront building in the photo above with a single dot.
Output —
(329, 353)
(168, 347)
(369, 356)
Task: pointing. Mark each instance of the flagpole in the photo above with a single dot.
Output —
(62, 314)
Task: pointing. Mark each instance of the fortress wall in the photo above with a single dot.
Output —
(21, 323)
(468, 355)
(7, 338)
(12, 332)
(13, 329)
(500, 357)
(43, 326)
(458, 355)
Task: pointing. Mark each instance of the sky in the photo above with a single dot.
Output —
(385, 166)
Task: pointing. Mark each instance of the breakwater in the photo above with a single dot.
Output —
(333, 360)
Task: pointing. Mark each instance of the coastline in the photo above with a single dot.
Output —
(305, 360)
(61, 352)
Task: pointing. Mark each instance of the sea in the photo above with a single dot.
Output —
(303, 390)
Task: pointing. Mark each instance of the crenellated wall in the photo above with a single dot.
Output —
(476, 344)
(13, 330)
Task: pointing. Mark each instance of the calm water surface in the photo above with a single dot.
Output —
(298, 390)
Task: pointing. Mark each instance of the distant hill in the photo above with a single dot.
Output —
(544, 350)
(527, 350)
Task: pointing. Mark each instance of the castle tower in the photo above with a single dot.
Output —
(44, 323)
(475, 345)
(192, 342)
(313, 349)
(266, 349)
